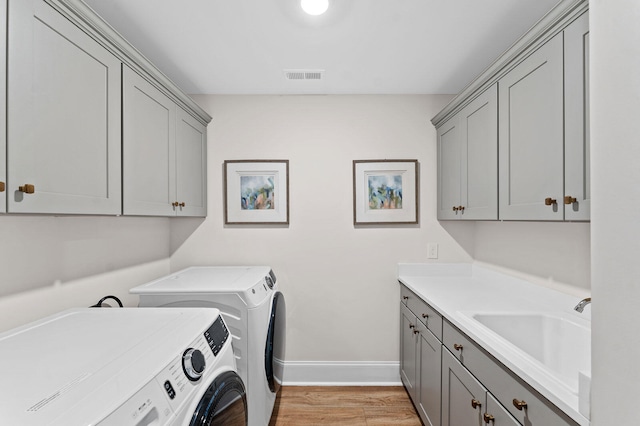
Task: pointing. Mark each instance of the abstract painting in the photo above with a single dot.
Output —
(385, 192)
(256, 192)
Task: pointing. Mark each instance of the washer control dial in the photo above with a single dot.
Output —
(193, 364)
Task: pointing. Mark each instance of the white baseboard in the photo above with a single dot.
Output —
(341, 373)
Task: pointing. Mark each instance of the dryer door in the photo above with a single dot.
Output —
(223, 403)
(275, 348)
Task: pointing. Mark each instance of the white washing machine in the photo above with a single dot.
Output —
(253, 308)
(124, 367)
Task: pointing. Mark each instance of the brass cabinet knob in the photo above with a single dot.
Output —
(461, 208)
(182, 204)
(519, 404)
(568, 199)
(416, 331)
(425, 316)
(457, 347)
(550, 201)
(412, 326)
(27, 188)
(488, 418)
(2, 186)
(405, 297)
(174, 204)
(475, 403)
(455, 209)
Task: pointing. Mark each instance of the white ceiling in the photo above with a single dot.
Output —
(363, 46)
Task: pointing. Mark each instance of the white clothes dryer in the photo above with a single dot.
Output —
(254, 309)
(124, 367)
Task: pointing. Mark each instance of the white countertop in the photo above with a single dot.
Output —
(456, 289)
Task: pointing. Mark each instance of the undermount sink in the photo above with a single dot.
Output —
(560, 343)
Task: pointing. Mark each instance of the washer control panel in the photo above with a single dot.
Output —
(217, 335)
(184, 373)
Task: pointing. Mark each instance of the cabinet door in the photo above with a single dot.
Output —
(577, 152)
(63, 116)
(497, 413)
(3, 106)
(479, 171)
(531, 136)
(449, 167)
(149, 167)
(408, 351)
(463, 397)
(191, 165)
(429, 374)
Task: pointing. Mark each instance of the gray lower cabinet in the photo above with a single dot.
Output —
(64, 96)
(454, 382)
(463, 397)
(420, 365)
(523, 403)
(164, 153)
(408, 351)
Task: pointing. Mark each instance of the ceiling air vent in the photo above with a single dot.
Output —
(303, 74)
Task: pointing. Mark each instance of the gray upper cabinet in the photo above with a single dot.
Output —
(148, 145)
(468, 161)
(191, 165)
(164, 153)
(449, 169)
(64, 93)
(542, 121)
(531, 136)
(61, 145)
(577, 198)
(3, 106)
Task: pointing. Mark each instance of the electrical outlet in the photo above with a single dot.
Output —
(432, 251)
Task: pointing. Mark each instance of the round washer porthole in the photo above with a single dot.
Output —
(223, 403)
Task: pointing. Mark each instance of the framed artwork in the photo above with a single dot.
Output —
(256, 192)
(385, 192)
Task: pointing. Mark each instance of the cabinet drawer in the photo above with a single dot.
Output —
(502, 383)
(425, 313)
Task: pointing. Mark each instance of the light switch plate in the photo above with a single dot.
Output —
(432, 251)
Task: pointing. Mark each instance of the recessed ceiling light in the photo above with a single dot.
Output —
(315, 7)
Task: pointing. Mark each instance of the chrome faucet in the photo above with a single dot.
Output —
(580, 306)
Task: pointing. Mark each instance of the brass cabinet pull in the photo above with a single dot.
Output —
(27, 188)
(488, 418)
(550, 201)
(455, 209)
(416, 331)
(2, 186)
(461, 208)
(519, 404)
(174, 204)
(475, 403)
(568, 199)
(182, 204)
(412, 326)
(425, 316)
(457, 347)
(405, 297)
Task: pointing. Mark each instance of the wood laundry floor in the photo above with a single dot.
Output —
(348, 405)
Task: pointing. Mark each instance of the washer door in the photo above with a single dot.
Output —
(223, 403)
(274, 351)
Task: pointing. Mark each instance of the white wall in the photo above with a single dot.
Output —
(339, 281)
(615, 130)
(51, 263)
(558, 253)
